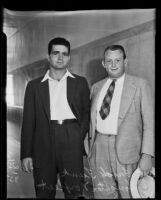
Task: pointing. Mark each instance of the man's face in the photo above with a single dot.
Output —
(59, 57)
(114, 63)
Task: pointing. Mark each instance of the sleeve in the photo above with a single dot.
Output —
(28, 122)
(85, 108)
(147, 111)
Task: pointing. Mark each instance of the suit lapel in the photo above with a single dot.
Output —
(71, 90)
(44, 94)
(71, 87)
(128, 92)
(95, 97)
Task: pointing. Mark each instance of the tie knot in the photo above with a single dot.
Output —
(114, 80)
(113, 83)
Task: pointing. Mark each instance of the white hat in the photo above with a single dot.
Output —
(142, 187)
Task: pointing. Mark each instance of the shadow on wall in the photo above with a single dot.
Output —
(95, 71)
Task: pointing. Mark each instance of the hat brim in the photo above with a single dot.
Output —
(134, 180)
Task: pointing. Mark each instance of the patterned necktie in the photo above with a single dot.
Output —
(105, 107)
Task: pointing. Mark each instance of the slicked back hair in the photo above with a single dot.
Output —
(58, 41)
(114, 48)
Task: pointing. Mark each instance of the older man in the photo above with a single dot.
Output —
(121, 128)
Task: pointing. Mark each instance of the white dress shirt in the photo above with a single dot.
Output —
(109, 124)
(59, 107)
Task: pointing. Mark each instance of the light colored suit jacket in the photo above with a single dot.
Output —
(135, 121)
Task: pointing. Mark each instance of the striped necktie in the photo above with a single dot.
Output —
(105, 107)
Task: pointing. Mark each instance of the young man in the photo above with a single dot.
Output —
(55, 122)
(121, 128)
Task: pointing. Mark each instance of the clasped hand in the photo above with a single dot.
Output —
(27, 165)
(145, 164)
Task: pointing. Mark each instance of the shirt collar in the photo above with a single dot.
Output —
(47, 76)
(67, 74)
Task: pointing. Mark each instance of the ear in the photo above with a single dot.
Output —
(48, 57)
(68, 59)
(103, 63)
(125, 62)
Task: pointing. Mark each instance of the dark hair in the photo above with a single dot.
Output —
(114, 48)
(58, 41)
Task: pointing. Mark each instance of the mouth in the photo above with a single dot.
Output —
(114, 69)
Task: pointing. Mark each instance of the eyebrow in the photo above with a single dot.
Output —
(59, 51)
(64, 52)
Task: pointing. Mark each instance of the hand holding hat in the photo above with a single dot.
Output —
(145, 164)
(143, 187)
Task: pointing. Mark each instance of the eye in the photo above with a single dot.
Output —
(55, 52)
(118, 60)
(108, 61)
(65, 54)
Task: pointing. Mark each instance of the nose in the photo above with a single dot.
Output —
(60, 56)
(113, 64)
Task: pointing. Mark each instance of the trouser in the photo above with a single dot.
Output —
(110, 177)
(67, 161)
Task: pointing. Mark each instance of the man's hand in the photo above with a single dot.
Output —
(145, 164)
(27, 165)
(87, 144)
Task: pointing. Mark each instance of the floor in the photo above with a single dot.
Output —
(20, 184)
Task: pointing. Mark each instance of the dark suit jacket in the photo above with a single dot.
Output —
(35, 132)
